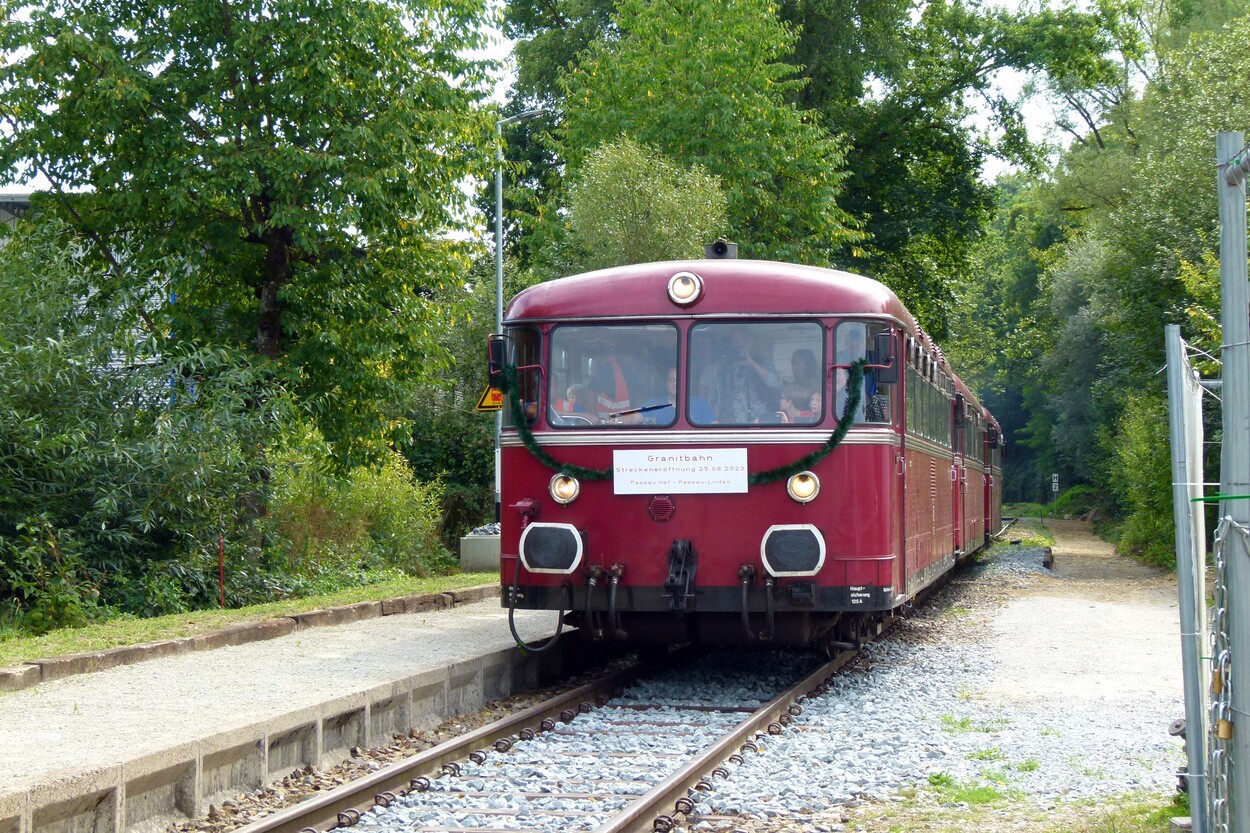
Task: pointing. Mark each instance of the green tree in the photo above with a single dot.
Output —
(550, 36)
(707, 84)
(1132, 208)
(629, 205)
(895, 85)
(118, 466)
(451, 441)
(900, 85)
(301, 159)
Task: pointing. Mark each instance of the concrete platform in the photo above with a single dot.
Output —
(131, 747)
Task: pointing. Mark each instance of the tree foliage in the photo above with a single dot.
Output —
(301, 160)
(894, 85)
(902, 86)
(629, 205)
(1129, 216)
(707, 84)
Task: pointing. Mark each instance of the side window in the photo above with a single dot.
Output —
(916, 398)
(525, 352)
(854, 340)
(948, 414)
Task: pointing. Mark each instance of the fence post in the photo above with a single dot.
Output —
(1185, 428)
(1235, 454)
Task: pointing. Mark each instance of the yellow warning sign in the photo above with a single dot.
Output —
(490, 400)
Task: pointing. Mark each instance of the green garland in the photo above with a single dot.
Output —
(512, 389)
(855, 389)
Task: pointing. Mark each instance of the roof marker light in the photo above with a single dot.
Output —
(684, 288)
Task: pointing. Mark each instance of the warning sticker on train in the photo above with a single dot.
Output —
(490, 400)
(686, 471)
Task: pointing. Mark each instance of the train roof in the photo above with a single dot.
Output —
(729, 287)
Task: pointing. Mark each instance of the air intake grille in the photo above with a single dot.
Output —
(661, 508)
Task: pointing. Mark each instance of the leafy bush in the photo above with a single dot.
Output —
(47, 580)
(1142, 480)
(372, 520)
(1077, 501)
(455, 445)
(450, 441)
(120, 453)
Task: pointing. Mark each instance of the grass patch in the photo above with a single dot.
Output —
(1028, 765)
(953, 792)
(1032, 533)
(993, 753)
(944, 807)
(131, 631)
(964, 725)
(994, 776)
(1133, 815)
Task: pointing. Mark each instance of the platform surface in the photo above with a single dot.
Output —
(63, 727)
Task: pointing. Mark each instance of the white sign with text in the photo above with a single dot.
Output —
(687, 471)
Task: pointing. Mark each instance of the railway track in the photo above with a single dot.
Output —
(619, 754)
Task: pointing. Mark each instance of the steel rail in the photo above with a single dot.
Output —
(641, 815)
(663, 807)
(342, 805)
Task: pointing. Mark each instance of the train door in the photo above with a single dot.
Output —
(973, 480)
(959, 473)
(897, 374)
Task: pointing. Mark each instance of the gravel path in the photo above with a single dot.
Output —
(1051, 688)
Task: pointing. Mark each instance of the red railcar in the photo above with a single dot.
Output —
(679, 462)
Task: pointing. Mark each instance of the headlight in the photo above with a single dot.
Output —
(564, 489)
(684, 288)
(803, 487)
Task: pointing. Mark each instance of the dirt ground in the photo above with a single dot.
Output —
(1104, 626)
(1100, 626)
(1092, 568)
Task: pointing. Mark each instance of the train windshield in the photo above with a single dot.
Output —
(756, 373)
(613, 376)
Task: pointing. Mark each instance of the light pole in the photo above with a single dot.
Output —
(499, 160)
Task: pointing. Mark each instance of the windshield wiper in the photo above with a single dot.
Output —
(644, 409)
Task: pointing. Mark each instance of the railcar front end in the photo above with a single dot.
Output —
(710, 452)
